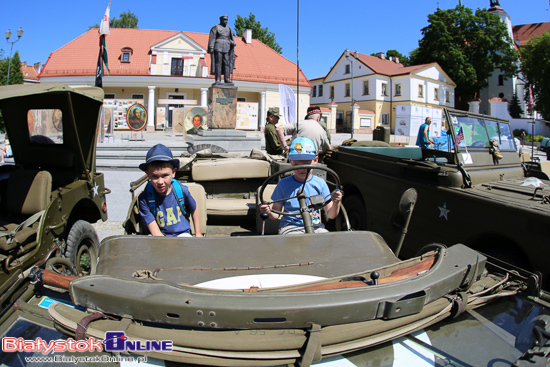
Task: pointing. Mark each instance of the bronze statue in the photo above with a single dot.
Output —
(221, 49)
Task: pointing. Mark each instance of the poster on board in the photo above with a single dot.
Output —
(195, 119)
(247, 116)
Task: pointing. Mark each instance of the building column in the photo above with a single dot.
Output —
(331, 124)
(473, 105)
(263, 113)
(151, 109)
(355, 113)
(204, 99)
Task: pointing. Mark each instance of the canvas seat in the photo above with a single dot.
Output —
(28, 193)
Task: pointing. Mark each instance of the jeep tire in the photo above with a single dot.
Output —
(83, 247)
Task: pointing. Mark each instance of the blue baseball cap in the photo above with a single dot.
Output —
(159, 153)
(302, 149)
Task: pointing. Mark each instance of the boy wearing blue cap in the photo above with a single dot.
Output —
(164, 203)
(302, 151)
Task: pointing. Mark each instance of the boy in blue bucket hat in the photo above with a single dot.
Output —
(165, 203)
(302, 151)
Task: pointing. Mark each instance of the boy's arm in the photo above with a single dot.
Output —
(267, 209)
(333, 208)
(154, 229)
(197, 223)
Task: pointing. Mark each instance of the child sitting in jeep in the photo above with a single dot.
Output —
(165, 202)
(302, 151)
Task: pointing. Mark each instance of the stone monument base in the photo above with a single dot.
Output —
(228, 139)
(222, 106)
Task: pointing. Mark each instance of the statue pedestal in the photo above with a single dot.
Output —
(229, 139)
(222, 106)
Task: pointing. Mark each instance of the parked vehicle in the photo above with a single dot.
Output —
(477, 193)
(50, 193)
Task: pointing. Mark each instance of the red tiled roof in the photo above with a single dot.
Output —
(525, 32)
(255, 62)
(29, 72)
(388, 67)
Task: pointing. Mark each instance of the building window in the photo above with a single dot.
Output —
(109, 96)
(126, 54)
(347, 69)
(314, 91)
(385, 119)
(347, 93)
(366, 88)
(501, 79)
(420, 91)
(436, 94)
(177, 66)
(384, 89)
(137, 96)
(447, 96)
(321, 90)
(241, 99)
(332, 92)
(398, 89)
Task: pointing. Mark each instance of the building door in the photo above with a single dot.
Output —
(172, 106)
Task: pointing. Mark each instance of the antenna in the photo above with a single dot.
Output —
(297, 63)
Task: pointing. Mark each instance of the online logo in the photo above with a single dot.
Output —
(116, 341)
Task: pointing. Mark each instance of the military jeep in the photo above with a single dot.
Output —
(476, 192)
(50, 192)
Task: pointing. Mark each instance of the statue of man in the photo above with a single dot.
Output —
(221, 49)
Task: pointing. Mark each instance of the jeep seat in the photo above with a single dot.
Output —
(28, 193)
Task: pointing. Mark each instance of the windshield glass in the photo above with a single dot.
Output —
(471, 132)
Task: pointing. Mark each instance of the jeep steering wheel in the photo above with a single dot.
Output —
(303, 208)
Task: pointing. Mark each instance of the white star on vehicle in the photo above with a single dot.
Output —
(95, 189)
(443, 211)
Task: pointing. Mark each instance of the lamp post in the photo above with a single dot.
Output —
(356, 56)
(8, 36)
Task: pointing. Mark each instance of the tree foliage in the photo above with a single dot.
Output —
(535, 66)
(514, 107)
(259, 33)
(467, 46)
(126, 19)
(394, 53)
(16, 75)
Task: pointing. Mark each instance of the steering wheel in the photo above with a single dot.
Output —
(303, 207)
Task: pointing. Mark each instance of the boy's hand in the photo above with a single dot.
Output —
(336, 196)
(264, 208)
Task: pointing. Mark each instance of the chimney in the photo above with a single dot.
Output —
(37, 66)
(381, 55)
(247, 36)
(24, 64)
(396, 59)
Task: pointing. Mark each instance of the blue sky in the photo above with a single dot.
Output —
(327, 28)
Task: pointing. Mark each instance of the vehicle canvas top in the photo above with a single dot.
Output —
(35, 107)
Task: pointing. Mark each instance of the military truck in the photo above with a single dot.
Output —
(476, 192)
(50, 192)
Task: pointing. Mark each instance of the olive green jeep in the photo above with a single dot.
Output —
(50, 192)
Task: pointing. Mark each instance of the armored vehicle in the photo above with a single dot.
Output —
(50, 192)
(475, 192)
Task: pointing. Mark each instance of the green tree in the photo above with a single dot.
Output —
(16, 75)
(514, 107)
(127, 20)
(535, 66)
(467, 46)
(394, 53)
(259, 33)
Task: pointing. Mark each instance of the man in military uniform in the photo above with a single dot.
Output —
(221, 48)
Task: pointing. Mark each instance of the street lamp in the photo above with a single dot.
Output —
(8, 36)
(356, 56)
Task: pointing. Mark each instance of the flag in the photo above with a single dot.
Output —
(287, 101)
(105, 22)
(102, 58)
(531, 99)
(459, 136)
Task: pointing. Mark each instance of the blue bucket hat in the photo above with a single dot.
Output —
(302, 149)
(159, 153)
